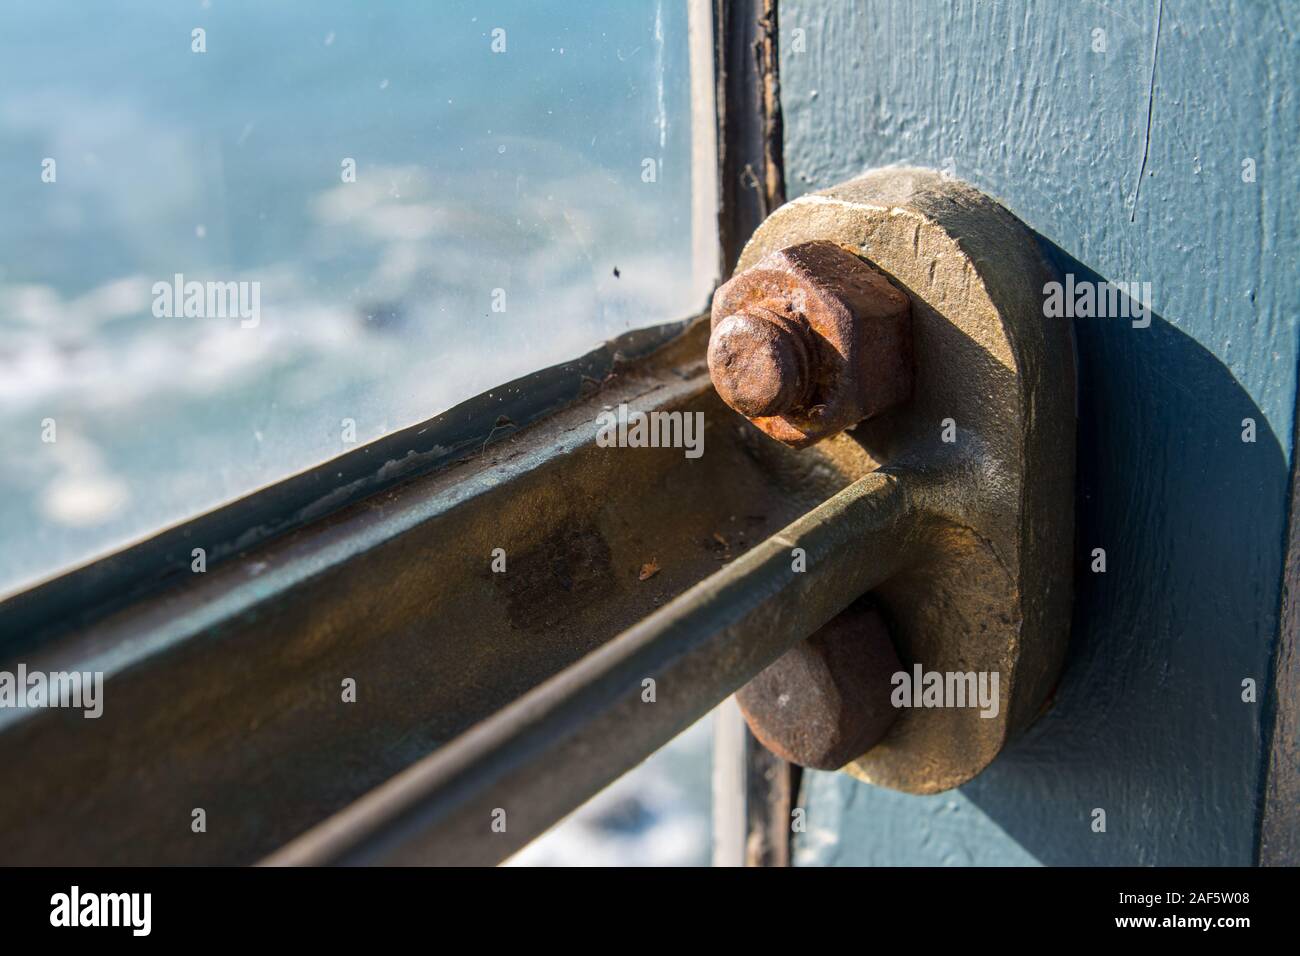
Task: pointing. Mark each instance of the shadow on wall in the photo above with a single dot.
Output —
(1149, 723)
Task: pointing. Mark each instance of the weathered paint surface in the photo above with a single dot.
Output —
(1127, 151)
(946, 829)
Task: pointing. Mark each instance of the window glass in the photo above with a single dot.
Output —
(240, 239)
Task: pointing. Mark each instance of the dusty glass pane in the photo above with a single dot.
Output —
(240, 239)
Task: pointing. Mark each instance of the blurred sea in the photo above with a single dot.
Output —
(482, 178)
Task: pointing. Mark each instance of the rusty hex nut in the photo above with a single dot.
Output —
(810, 341)
(826, 702)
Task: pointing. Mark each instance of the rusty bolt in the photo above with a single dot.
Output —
(826, 702)
(761, 362)
(810, 341)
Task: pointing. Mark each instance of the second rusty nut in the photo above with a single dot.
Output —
(827, 701)
(809, 341)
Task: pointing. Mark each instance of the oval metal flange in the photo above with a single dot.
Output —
(987, 447)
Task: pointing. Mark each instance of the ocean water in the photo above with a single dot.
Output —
(500, 221)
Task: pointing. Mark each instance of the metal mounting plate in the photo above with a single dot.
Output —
(989, 590)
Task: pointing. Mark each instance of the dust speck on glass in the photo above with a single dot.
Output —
(241, 239)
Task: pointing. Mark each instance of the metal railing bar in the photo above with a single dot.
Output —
(543, 755)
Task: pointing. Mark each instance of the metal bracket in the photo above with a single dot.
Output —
(984, 456)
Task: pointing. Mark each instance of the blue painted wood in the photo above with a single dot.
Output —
(1127, 151)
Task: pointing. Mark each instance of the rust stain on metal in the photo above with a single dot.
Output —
(767, 57)
(571, 568)
(809, 341)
